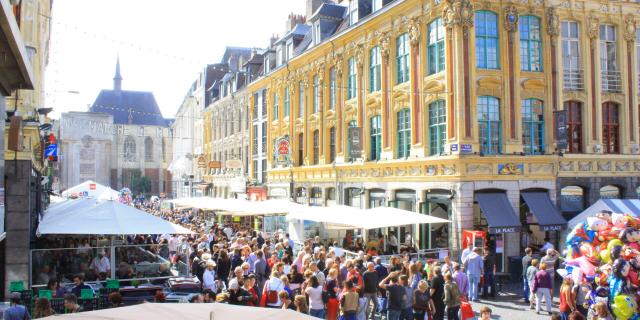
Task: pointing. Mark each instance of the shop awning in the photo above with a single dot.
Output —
(548, 216)
(498, 212)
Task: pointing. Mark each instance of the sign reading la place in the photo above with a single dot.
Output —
(504, 229)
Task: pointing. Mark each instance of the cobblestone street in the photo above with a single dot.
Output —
(509, 305)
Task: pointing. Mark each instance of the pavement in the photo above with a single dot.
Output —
(509, 304)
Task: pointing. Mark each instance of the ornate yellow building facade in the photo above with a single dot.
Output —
(455, 100)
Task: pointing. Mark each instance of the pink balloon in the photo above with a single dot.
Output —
(583, 263)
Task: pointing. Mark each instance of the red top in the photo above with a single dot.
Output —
(564, 305)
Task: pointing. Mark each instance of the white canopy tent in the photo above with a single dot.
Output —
(105, 217)
(630, 206)
(186, 311)
(91, 189)
(345, 217)
(239, 207)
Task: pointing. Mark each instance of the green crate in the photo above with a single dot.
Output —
(45, 294)
(113, 284)
(86, 294)
(16, 286)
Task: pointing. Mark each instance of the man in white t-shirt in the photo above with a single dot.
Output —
(466, 252)
(100, 264)
(173, 244)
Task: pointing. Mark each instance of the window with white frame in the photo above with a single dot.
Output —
(301, 99)
(609, 59)
(332, 88)
(353, 12)
(571, 59)
(316, 94)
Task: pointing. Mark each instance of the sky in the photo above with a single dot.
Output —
(162, 44)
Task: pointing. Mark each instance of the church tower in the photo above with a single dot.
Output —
(117, 80)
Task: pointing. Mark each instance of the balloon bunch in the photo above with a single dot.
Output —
(604, 254)
(125, 196)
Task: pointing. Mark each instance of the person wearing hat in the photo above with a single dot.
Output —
(209, 275)
(100, 265)
(247, 295)
(16, 311)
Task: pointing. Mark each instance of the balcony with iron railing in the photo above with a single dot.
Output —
(573, 80)
(611, 81)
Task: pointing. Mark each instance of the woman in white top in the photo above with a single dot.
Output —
(274, 284)
(314, 291)
(209, 277)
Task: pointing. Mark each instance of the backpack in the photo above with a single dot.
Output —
(272, 296)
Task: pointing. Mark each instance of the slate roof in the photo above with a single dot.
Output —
(140, 105)
(237, 51)
(329, 11)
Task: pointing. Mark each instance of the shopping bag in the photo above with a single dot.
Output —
(466, 312)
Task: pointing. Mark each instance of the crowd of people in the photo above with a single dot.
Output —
(238, 265)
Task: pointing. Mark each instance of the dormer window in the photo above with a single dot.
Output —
(376, 5)
(316, 33)
(278, 56)
(289, 50)
(353, 12)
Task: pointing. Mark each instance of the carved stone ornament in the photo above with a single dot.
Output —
(458, 12)
(359, 56)
(553, 22)
(637, 166)
(585, 166)
(593, 26)
(604, 166)
(449, 170)
(432, 170)
(566, 166)
(413, 28)
(339, 65)
(622, 166)
(629, 28)
(383, 42)
(511, 18)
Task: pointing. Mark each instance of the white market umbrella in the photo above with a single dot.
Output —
(107, 218)
(92, 190)
(186, 311)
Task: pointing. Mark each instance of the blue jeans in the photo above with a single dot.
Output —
(474, 280)
(318, 313)
(526, 291)
(488, 282)
(394, 314)
(407, 314)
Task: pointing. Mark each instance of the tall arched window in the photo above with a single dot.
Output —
(435, 46)
(129, 149)
(530, 44)
(352, 88)
(374, 69)
(376, 138)
(574, 126)
(148, 149)
(610, 192)
(532, 126)
(404, 132)
(402, 58)
(437, 127)
(610, 128)
(571, 199)
(332, 144)
(487, 38)
(316, 147)
(489, 125)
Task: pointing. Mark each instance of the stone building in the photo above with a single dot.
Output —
(227, 127)
(500, 116)
(137, 140)
(24, 42)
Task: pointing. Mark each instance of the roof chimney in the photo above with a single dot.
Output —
(293, 20)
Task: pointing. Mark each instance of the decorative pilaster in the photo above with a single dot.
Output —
(593, 28)
(553, 30)
(511, 26)
(457, 17)
(630, 37)
(321, 128)
(383, 42)
(413, 29)
(359, 55)
(339, 67)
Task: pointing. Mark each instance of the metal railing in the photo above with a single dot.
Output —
(573, 80)
(130, 262)
(611, 81)
(421, 255)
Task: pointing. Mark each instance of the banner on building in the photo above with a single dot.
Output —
(282, 152)
(355, 141)
(214, 165)
(561, 129)
(233, 164)
(202, 162)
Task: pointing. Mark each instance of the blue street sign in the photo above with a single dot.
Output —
(51, 150)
